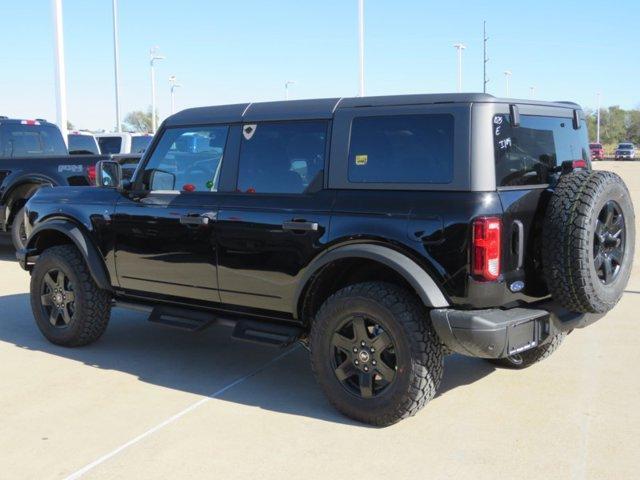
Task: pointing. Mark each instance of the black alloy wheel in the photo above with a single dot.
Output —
(363, 357)
(57, 298)
(609, 242)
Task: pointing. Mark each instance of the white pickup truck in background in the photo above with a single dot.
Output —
(123, 143)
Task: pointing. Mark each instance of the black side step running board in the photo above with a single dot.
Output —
(257, 331)
(182, 319)
(266, 333)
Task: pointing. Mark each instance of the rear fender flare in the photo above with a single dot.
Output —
(426, 288)
(81, 240)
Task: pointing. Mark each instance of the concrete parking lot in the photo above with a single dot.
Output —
(150, 402)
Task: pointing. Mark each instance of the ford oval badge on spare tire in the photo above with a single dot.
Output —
(516, 286)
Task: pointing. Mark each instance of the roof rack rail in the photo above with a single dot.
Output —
(41, 119)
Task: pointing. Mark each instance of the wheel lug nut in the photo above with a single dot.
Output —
(357, 362)
(366, 369)
(373, 350)
(362, 343)
(355, 349)
(373, 362)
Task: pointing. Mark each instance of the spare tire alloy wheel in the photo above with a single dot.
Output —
(57, 298)
(363, 357)
(609, 242)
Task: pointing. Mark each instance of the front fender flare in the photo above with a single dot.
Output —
(81, 240)
(426, 288)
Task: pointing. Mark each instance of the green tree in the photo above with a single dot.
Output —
(139, 121)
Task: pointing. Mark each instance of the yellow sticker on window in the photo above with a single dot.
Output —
(361, 159)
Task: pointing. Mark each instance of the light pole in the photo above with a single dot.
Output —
(173, 84)
(460, 47)
(153, 55)
(60, 80)
(361, 44)
(532, 89)
(507, 76)
(598, 119)
(116, 60)
(286, 88)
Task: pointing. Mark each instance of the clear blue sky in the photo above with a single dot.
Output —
(236, 51)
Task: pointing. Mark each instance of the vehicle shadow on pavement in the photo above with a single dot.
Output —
(203, 363)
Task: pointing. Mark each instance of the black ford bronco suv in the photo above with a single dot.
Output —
(381, 232)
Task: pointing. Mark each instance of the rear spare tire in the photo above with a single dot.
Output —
(588, 241)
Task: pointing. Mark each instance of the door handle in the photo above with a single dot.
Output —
(300, 226)
(196, 219)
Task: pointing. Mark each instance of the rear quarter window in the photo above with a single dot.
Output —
(409, 149)
(530, 153)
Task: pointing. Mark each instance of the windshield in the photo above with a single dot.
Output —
(79, 144)
(109, 145)
(140, 144)
(595, 145)
(19, 140)
(625, 146)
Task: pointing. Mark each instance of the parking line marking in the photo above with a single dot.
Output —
(175, 417)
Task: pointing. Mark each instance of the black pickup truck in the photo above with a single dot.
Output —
(382, 233)
(32, 155)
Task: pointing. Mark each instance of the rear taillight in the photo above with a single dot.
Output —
(91, 174)
(579, 164)
(485, 257)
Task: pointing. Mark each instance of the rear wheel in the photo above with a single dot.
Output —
(374, 354)
(528, 358)
(18, 230)
(68, 306)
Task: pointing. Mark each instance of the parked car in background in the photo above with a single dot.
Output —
(33, 155)
(597, 151)
(82, 143)
(626, 150)
(381, 232)
(123, 143)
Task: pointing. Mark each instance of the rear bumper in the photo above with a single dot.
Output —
(496, 333)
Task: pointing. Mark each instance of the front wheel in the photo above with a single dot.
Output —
(374, 353)
(69, 307)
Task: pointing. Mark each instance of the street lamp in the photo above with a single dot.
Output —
(153, 56)
(507, 76)
(173, 84)
(61, 82)
(598, 119)
(460, 47)
(286, 88)
(116, 59)
(532, 89)
(361, 45)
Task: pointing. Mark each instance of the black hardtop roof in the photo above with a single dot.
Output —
(326, 107)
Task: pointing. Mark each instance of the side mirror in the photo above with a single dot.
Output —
(161, 180)
(108, 174)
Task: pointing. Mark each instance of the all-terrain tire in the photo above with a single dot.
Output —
(419, 366)
(574, 239)
(18, 236)
(529, 357)
(91, 307)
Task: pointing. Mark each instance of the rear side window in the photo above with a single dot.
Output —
(282, 157)
(110, 145)
(401, 149)
(529, 153)
(32, 140)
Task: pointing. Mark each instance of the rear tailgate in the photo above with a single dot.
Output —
(529, 157)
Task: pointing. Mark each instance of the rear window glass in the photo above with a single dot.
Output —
(81, 144)
(529, 153)
(140, 144)
(109, 145)
(32, 140)
(401, 149)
